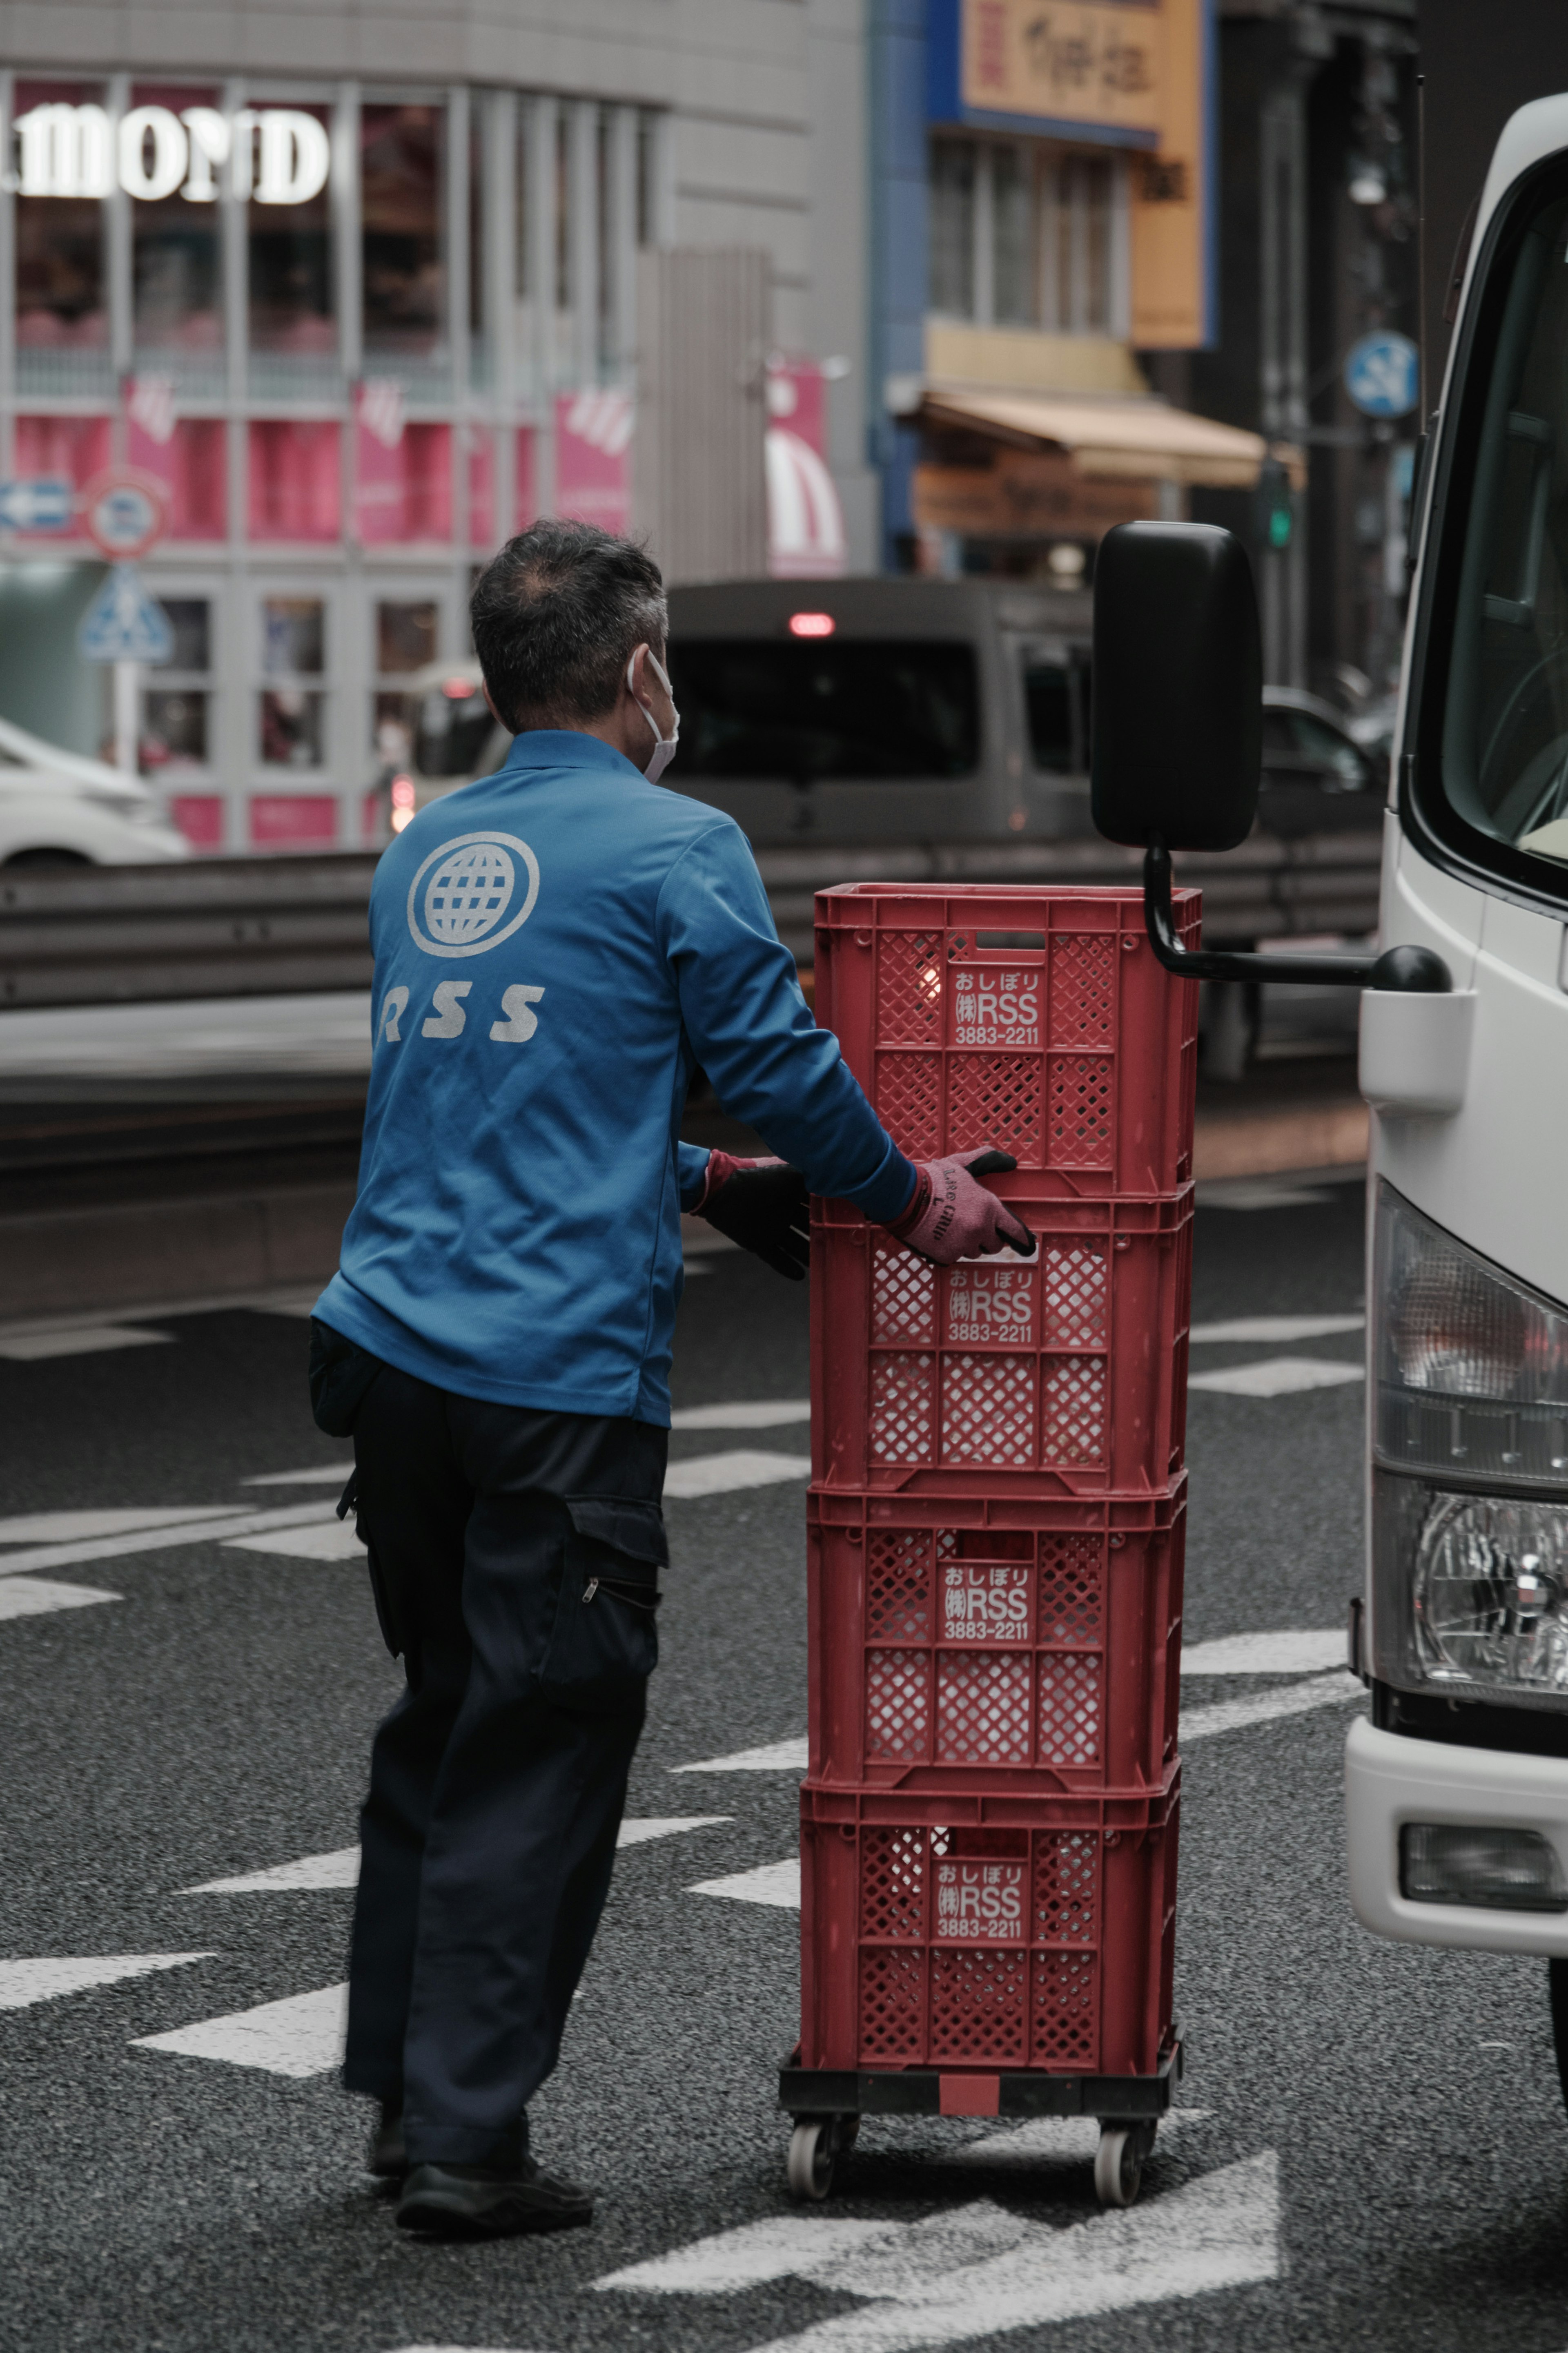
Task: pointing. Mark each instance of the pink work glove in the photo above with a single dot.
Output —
(951, 1217)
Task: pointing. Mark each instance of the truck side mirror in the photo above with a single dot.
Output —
(1177, 729)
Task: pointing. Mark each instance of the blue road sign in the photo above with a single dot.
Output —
(1380, 375)
(123, 623)
(38, 502)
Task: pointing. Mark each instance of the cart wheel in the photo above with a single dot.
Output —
(813, 2147)
(1118, 2168)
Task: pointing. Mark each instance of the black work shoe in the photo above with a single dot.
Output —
(388, 2157)
(488, 2202)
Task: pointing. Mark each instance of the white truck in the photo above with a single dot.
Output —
(1457, 1786)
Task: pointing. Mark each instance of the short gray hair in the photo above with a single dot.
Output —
(557, 615)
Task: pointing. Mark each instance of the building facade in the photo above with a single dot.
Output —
(357, 288)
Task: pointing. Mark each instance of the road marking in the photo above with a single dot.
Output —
(777, 1756)
(331, 1539)
(1277, 1327)
(1265, 1707)
(300, 2037)
(980, 2270)
(1303, 1189)
(771, 1882)
(1291, 1651)
(661, 1826)
(766, 1414)
(67, 1527)
(722, 1475)
(321, 1474)
(23, 1983)
(1064, 2139)
(1277, 1377)
(340, 1867)
(21, 1596)
(85, 1340)
(224, 1521)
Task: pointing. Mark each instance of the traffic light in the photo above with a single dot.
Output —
(1275, 512)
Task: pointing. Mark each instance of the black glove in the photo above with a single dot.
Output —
(763, 1205)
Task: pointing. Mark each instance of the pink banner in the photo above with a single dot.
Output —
(593, 459)
(806, 521)
(296, 480)
(190, 460)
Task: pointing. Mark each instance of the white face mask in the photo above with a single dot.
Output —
(663, 745)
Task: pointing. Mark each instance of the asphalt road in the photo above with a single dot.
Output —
(1372, 2148)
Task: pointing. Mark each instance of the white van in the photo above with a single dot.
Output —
(61, 808)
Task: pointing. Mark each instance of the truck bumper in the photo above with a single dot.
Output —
(1391, 1779)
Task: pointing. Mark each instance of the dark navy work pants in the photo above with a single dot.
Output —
(515, 1559)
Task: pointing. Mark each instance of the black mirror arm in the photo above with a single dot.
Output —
(1415, 969)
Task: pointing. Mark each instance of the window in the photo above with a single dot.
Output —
(952, 227)
(408, 636)
(854, 711)
(62, 142)
(1055, 704)
(177, 703)
(1025, 234)
(293, 327)
(175, 258)
(291, 712)
(402, 177)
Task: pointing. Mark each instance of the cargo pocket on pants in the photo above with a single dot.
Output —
(603, 1643)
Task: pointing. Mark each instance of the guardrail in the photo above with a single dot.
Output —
(281, 926)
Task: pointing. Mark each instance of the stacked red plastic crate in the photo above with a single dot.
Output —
(996, 1517)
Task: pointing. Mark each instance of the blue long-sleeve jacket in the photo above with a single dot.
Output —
(557, 946)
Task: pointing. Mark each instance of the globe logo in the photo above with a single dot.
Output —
(468, 893)
(463, 899)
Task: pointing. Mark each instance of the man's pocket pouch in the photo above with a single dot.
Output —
(604, 1644)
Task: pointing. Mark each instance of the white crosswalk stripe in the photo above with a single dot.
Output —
(333, 1539)
(1267, 1707)
(340, 1867)
(23, 1983)
(1276, 1329)
(1293, 1650)
(300, 2037)
(775, 1756)
(29, 1597)
(768, 1413)
(723, 1475)
(320, 1474)
(1277, 1377)
(771, 1882)
(183, 1528)
(82, 1340)
(980, 2270)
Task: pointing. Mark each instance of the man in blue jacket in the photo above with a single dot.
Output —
(557, 947)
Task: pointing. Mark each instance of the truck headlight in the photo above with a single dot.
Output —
(1470, 1455)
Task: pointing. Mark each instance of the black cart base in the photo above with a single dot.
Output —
(828, 2105)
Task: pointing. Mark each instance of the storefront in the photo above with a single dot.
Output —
(357, 335)
(1063, 229)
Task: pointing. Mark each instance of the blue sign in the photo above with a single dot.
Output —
(38, 502)
(123, 623)
(1380, 375)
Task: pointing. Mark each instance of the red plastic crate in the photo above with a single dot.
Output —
(955, 1646)
(1037, 1020)
(987, 1932)
(1060, 1375)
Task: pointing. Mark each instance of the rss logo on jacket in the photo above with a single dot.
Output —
(464, 900)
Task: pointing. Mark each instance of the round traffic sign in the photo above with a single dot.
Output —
(1380, 375)
(125, 511)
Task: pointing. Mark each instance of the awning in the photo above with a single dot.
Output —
(1142, 440)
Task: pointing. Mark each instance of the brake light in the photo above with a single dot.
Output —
(457, 690)
(812, 625)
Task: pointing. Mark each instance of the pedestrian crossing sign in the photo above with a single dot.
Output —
(123, 623)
